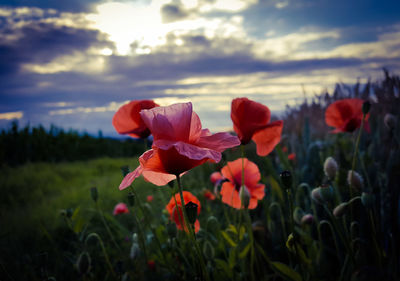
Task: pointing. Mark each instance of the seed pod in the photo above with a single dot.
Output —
(330, 168)
(191, 212)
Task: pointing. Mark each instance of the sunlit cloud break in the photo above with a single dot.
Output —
(11, 115)
(112, 106)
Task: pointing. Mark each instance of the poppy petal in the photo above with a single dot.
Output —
(267, 138)
(129, 178)
(230, 196)
(218, 141)
(190, 151)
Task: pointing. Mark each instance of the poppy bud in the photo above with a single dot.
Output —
(135, 251)
(366, 107)
(244, 196)
(307, 219)
(367, 199)
(327, 193)
(286, 178)
(330, 168)
(94, 193)
(171, 230)
(341, 209)
(83, 264)
(208, 250)
(212, 224)
(297, 215)
(125, 170)
(355, 180)
(191, 212)
(131, 199)
(390, 121)
(316, 195)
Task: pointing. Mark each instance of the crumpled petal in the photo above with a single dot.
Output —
(345, 115)
(218, 141)
(267, 138)
(188, 150)
(169, 122)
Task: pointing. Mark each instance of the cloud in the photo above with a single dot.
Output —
(172, 12)
(11, 115)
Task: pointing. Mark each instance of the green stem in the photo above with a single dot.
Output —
(190, 230)
(95, 235)
(106, 226)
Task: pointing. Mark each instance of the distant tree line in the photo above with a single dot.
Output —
(19, 145)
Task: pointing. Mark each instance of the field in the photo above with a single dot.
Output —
(300, 213)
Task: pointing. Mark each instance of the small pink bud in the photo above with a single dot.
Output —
(355, 180)
(307, 219)
(330, 168)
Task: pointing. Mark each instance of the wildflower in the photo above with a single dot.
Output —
(251, 121)
(330, 167)
(180, 144)
(216, 178)
(345, 115)
(209, 195)
(292, 156)
(174, 208)
(149, 198)
(231, 188)
(355, 180)
(127, 119)
(120, 208)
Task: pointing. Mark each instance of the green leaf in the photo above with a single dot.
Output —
(244, 252)
(242, 231)
(223, 265)
(75, 213)
(232, 258)
(276, 189)
(232, 228)
(228, 239)
(286, 271)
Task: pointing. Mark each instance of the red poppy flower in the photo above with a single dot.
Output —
(127, 119)
(230, 189)
(345, 115)
(174, 208)
(179, 145)
(120, 208)
(149, 198)
(292, 156)
(209, 195)
(251, 122)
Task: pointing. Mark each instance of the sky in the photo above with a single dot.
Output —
(74, 63)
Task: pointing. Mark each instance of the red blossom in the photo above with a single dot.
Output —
(120, 208)
(149, 198)
(345, 115)
(180, 144)
(292, 156)
(174, 208)
(230, 189)
(209, 195)
(251, 121)
(127, 119)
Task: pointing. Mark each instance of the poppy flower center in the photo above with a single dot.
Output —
(352, 125)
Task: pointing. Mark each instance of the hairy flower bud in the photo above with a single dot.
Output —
(355, 180)
(307, 219)
(330, 168)
(340, 209)
(390, 121)
(244, 196)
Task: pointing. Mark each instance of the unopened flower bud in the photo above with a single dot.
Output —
(297, 215)
(125, 170)
(208, 250)
(390, 121)
(131, 199)
(316, 195)
(322, 194)
(212, 224)
(94, 193)
(366, 107)
(367, 199)
(355, 180)
(244, 196)
(286, 178)
(307, 219)
(135, 251)
(330, 168)
(340, 209)
(83, 264)
(191, 212)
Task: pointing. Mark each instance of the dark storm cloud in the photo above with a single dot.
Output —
(68, 6)
(172, 12)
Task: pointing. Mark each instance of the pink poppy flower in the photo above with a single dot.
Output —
(251, 121)
(345, 115)
(120, 208)
(180, 144)
(230, 189)
(127, 119)
(149, 198)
